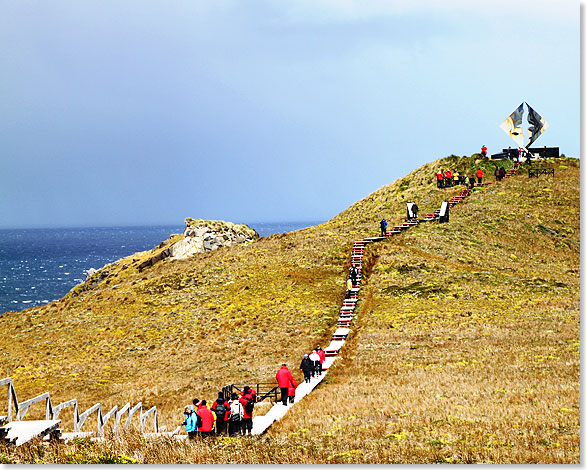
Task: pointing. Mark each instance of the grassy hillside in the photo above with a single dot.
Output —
(466, 348)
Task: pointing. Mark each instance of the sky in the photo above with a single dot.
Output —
(142, 112)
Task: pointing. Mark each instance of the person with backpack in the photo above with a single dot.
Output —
(502, 173)
(247, 400)
(306, 367)
(479, 175)
(208, 419)
(322, 357)
(222, 409)
(284, 381)
(383, 227)
(190, 422)
(236, 412)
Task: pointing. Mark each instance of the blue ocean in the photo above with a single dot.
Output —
(38, 266)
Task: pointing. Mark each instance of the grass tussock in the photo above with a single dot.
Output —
(465, 349)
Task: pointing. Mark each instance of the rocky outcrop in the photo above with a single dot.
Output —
(208, 235)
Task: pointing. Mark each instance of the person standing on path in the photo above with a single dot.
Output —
(292, 393)
(483, 151)
(383, 227)
(448, 178)
(306, 366)
(322, 357)
(502, 173)
(222, 409)
(440, 179)
(472, 182)
(247, 400)
(208, 418)
(314, 358)
(236, 412)
(284, 381)
(456, 177)
(349, 287)
(354, 274)
(479, 175)
(190, 422)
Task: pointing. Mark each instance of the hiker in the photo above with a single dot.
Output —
(222, 409)
(196, 404)
(502, 172)
(322, 357)
(208, 419)
(285, 380)
(383, 228)
(247, 400)
(236, 412)
(306, 366)
(291, 393)
(483, 151)
(472, 182)
(190, 422)
(456, 177)
(497, 174)
(440, 179)
(479, 175)
(315, 359)
(465, 181)
(414, 210)
(354, 274)
(448, 178)
(349, 287)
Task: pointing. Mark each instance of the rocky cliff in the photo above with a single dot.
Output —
(208, 235)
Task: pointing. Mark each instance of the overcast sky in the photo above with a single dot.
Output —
(146, 112)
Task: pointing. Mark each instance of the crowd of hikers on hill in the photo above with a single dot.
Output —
(233, 416)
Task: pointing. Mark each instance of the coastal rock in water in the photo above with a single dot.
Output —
(208, 235)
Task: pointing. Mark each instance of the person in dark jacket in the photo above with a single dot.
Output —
(502, 173)
(354, 274)
(222, 409)
(307, 367)
(383, 228)
(284, 381)
(472, 182)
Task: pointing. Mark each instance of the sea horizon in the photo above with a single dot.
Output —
(40, 265)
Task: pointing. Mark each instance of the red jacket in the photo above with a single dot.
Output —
(292, 388)
(227, 405)
(244, 400)
(207, 419)
(484, 149)
(440, 177)
(284, 377)
(448, 174)
(322, 355)
(479, 173)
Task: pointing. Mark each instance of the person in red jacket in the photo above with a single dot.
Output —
(284, 380)
(483, 151)
(208, 418)
(479, 175)
(247, 398)
(440, 179)
(448, 178)
(322, 357)
(292, 392)
(222, 409)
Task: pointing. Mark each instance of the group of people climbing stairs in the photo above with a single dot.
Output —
(16, 432)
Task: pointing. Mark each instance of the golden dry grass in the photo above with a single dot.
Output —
(466, 348)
